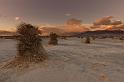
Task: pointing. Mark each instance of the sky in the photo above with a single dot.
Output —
(56, 12)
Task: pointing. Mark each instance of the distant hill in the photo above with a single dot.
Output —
(2, 32)
(108, 33)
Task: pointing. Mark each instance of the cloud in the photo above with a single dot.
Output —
(74, 21)
(68, 14)
(106, 23)
(116, 27)
(103, 21)
(17, 18)
(63, 29)
(72, 26)
(116, 22)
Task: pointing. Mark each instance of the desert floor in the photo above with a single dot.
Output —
(71, 61)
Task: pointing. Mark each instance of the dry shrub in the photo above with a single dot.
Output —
(94, 38)
(121, 38)
(87, 41)
(29, 46)
(53, 39)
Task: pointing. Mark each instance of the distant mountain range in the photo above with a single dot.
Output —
(108, 33)
(3, 32)
(78, 34)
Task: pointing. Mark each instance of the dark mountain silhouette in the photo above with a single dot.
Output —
(107, 33)
(3, 32)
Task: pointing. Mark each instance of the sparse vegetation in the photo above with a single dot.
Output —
(121, 38)
(53, 39)
(94, 38)
(87, 40)
(29, 46)
(29, 43)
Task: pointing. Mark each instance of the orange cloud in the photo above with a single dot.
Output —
(73, 21)
(103, 21)
(63, 29)
(106, 23)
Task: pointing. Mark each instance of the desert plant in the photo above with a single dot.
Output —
(29, 45)
(87, 41)
(121, 38)
(94, 38)
(53, 39)
(82, 37)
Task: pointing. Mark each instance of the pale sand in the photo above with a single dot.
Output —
(70, 61)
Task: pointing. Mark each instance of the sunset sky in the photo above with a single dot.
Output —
(55, 12)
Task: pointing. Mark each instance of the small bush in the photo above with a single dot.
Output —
(121, 38)
(94, 38)
(53, 39)
(87, 41)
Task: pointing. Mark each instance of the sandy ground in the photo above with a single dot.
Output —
(70, 61)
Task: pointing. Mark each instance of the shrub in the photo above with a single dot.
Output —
(29, 43)
(53, 39)
(87, 41)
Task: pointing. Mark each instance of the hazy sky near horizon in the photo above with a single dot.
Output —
(57, 11)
